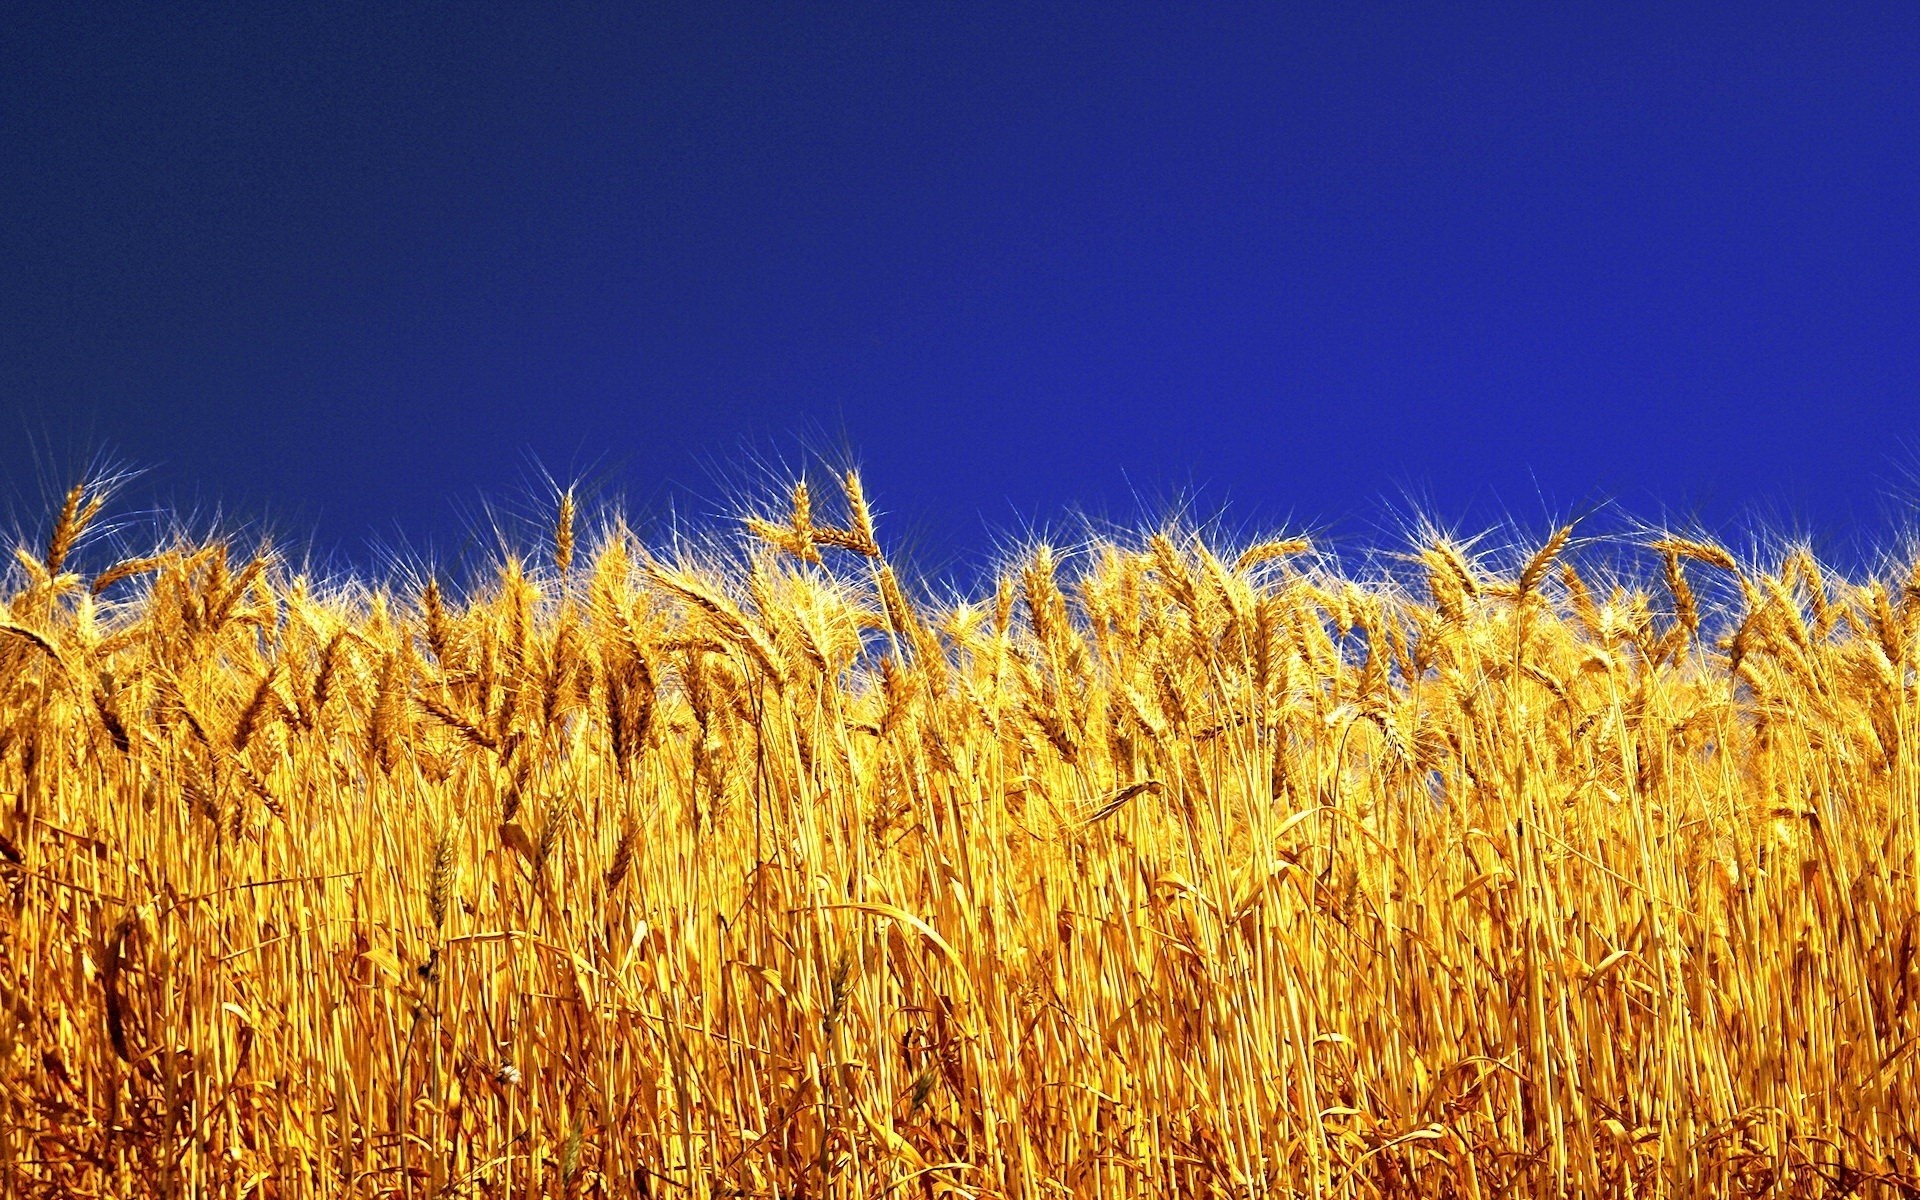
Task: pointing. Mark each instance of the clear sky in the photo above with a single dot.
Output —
(347, 266)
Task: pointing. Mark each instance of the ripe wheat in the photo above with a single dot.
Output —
(1167, 869)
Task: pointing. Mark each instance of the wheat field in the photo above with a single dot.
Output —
(1167, 867)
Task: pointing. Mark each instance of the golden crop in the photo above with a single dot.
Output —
(1167, 870)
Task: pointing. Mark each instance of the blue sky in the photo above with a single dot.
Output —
(348, 268)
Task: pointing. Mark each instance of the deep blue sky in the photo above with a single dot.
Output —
(346, 267)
